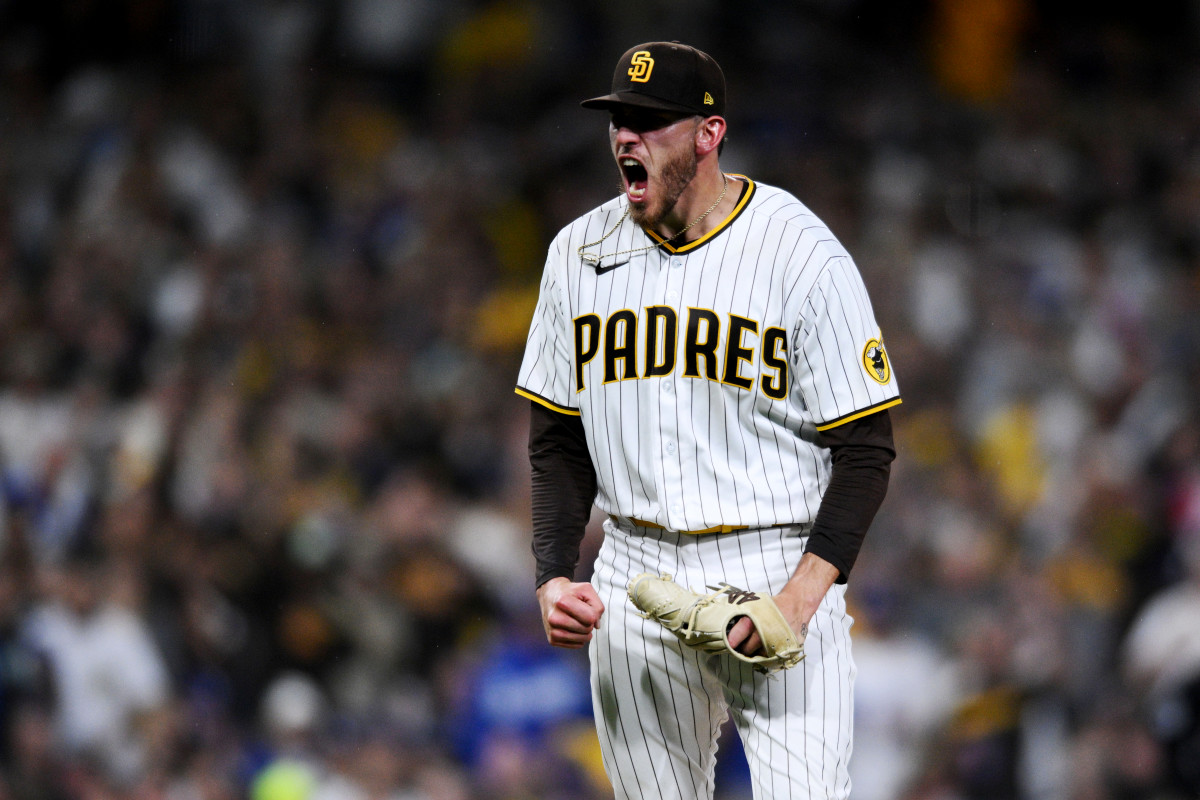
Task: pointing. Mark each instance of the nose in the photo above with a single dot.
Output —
(623, 135)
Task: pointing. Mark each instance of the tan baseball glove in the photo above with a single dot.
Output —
(703, 621)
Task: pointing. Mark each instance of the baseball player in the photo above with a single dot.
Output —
(704, 365)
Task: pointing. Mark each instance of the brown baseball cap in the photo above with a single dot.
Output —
(666, 75)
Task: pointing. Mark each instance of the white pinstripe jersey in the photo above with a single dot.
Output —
(703, 372)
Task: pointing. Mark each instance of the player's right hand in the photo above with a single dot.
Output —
(570, 612)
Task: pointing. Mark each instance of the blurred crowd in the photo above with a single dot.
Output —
(266, 270)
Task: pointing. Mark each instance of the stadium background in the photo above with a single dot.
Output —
(266, 269)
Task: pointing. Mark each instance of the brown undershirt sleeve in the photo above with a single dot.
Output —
(564, 488)
(862, 452)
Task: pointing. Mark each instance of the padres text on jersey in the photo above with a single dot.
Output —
(704, 372)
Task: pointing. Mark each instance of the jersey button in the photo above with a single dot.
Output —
(667, 386)
(675, 262)
(670, 448)
(672, 296)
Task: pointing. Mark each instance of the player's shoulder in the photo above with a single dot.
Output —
(780, 204)
(779, 207)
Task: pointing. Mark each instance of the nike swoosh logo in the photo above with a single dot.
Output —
(610, 267)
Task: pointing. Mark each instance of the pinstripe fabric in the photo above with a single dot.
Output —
(774, 337)
(659, 705)
(694, 452)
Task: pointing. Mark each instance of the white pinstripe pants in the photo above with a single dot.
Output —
(659, 706)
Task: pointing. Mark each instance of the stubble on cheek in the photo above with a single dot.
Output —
(673, 179)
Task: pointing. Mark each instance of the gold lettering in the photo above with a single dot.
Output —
(620, 344)
(640, 66)
(587, 343)
(736, 352)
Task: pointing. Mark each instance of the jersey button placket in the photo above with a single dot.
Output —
(669, 289)
(668, 388)
(668, 415)
(674, 277)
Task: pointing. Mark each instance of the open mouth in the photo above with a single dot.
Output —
(636, 178)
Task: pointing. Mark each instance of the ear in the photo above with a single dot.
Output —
(709, 135)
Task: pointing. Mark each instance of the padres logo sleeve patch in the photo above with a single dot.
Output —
(875, 361)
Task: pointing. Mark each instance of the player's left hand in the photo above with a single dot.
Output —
(703, 621)
(744, 638)
(797, 602)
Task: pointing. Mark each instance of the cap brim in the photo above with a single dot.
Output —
(637, 100)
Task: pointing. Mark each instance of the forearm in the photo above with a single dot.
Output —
(806, 589)
(862, 454)
(563, 489)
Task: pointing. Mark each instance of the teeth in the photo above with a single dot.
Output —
(634, 193)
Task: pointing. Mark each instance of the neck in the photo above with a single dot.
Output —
(696, 202)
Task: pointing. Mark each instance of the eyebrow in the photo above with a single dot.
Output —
(646, 120)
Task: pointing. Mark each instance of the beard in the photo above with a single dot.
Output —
(673, 179)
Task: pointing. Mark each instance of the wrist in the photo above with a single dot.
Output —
(552, 585)
(553, 579)
(809, 584)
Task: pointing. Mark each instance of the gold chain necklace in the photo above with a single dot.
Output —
(594, 260)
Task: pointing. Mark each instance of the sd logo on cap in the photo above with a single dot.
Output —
(669, 76)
